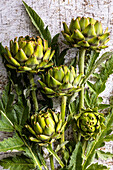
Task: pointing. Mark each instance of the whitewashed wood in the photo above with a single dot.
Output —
(15, 22)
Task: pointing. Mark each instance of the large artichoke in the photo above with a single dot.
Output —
(28, 54)
(86, 33)
(46, 127)
(60, 81)
(89, 123)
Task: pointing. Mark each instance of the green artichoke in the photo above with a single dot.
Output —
(86, 33)
(60, 81)
(89, 123)
(28, 54)
(46, 127)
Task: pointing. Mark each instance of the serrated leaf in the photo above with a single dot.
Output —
(14, 143)
(97, 166)
(87, 98)
(91, 86)
(17, 162)
(103, 106)
(38, 23)
(76, 158)
(5, 126)
(22, 110)
(93, 65)
(104, 155)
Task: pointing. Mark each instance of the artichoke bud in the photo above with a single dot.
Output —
(77, 35)
(30, 129)
(49, 130)
(66, 29)
(68, 38)
(15, 47)
(22, 44)
(72, 25)
(28, 49)
(104, 37)
(91, 20)
(59, 125)
(10, 59)
(21, 56)
(86, 33)
(32, 61)
(50, 121)
(94, 41)
(58, 74)
(61, 80)
(83, 43)
(89, 30)
(38, 128)
(98, 28)
(89, 123)
(43, 137)
(41, 120)
(45, 45)
(11, 46)
(84, 22)
(66, 77)
(29, 54)
(45, 127)
(54, 82)
(47, 54)
(38, 53)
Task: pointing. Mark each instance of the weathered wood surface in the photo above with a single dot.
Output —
(15, 22)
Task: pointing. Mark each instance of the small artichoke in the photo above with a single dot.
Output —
(60, 81)
(89, 123)
(28, 54)
(86, 33)
(46, 127)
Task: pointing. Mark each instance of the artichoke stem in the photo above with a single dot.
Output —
(84, 146)
(33, 92)
(81, 70)
(51, 161)
(63, 109)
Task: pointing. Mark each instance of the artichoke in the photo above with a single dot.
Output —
(86, 33)
(60, 81)
(46, 127)
(89, 123)
(28, 54)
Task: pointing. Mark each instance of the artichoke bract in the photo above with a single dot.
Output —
(60, 81)
(28, 54)
(86, 33)
(89, 123)
(46, 127)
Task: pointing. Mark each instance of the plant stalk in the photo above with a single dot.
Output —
(33, 92)
(33, 155)
(81, 70)
(51, 161)
(63, 110)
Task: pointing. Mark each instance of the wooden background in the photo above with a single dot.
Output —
(14, 22)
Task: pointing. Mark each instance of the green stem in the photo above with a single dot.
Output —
(51, 161)
(33, 92)
(50, 150)
(63, 109)
(81, 70)
(84, 146)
